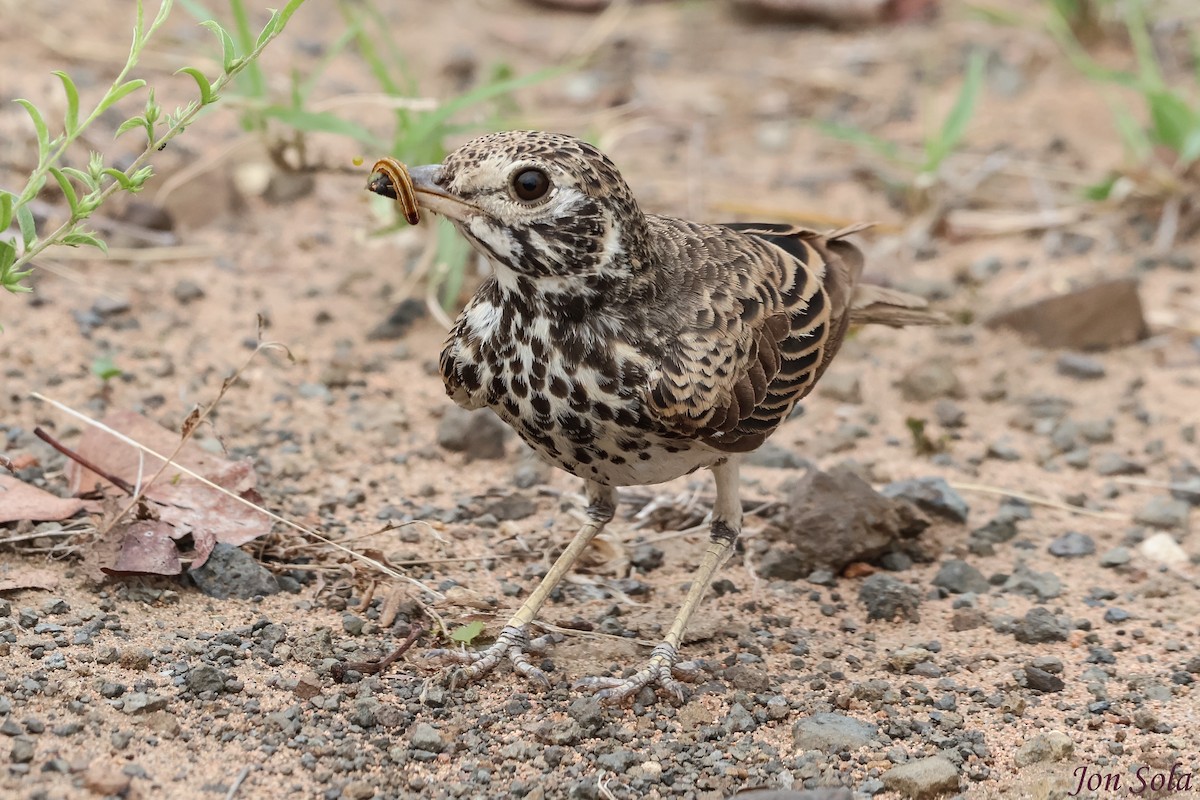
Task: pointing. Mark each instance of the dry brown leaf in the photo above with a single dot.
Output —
(27, 578)
(147, 548)
(21, 501)
(187, 505)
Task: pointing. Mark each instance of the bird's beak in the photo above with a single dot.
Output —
(433, 197)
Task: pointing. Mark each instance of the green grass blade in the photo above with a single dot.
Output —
(955, 125)
(321, 122)
(1171, 118)
(860, 138)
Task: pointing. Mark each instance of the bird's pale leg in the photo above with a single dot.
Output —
(514, 639)
(662, 669)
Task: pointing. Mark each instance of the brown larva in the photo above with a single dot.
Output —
(390, 178)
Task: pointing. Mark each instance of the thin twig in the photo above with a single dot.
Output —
(115, 480)
(1150, 484)
(237, 783)
(1041, 501)
(338, 670)
(237, 498)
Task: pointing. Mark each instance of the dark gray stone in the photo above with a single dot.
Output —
(958, 577)
(1072, 544)
(932, 495)
(886, 598)
(232, 572)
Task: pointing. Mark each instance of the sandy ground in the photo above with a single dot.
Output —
(102, 693)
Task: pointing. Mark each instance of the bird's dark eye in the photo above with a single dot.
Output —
(530, 184)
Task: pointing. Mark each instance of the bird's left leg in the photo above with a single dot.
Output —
(663, 668)
(514, 639)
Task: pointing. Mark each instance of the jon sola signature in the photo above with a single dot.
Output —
(1135, 781)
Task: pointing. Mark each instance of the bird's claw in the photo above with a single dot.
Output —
(513, 642)
(662, 670)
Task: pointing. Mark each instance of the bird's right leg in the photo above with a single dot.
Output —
(514, 640)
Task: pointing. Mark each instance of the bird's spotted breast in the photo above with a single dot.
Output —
(572, 392)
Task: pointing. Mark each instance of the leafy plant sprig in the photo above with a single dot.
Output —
(87, 189)
(1164, 151)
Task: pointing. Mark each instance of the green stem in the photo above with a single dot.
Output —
(177, 127)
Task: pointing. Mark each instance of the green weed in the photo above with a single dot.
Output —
(924, 167)
(86, 190)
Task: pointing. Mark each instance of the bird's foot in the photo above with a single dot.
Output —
(513, 642)
(662, 670)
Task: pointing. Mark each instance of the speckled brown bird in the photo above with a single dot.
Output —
(628, 348)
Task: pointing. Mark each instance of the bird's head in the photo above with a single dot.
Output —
(540, 205)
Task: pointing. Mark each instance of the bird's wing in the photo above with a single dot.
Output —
(771, 304)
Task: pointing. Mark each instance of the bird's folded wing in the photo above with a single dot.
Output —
(779, 302)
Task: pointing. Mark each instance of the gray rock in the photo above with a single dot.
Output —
(1072, 544)
(773, 456)
(1049, 746)
(206, 678)
(1040, 585)
(511, 507)
(1002, 450)
(109, 306)
(232, 572)
(1112, 464)
(886, 598)
(1116, 557)
(187, 291)
(930, 380)
(833, 518)
(1085, 368)
(842, 386)
(932, 495)
(739, 720)
(478, 434)
(1042, 681)
(143, 703)
(399, 320)
(832, 732)
(949, 414)
(1163, 512)
(958, 577)
(926, 777)
(426, 737)
(1039, 626)
(839, 793)
(1187, 490)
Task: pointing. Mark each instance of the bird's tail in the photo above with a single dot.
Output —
(879, 305)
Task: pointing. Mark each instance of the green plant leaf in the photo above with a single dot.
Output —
(321, 122)
(121, 178)
(291, 8)
(269, 30)
(68, 190)
(133, 123)
(105, 369)
(1101, 191)
(118, 94)
(39, 126)
(6, 210)
(228, 49)
(1171, 118)
(82, 239)
(467, 633)
(27, 225)
(72, 115)
(207, 95)
(1191, 149)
